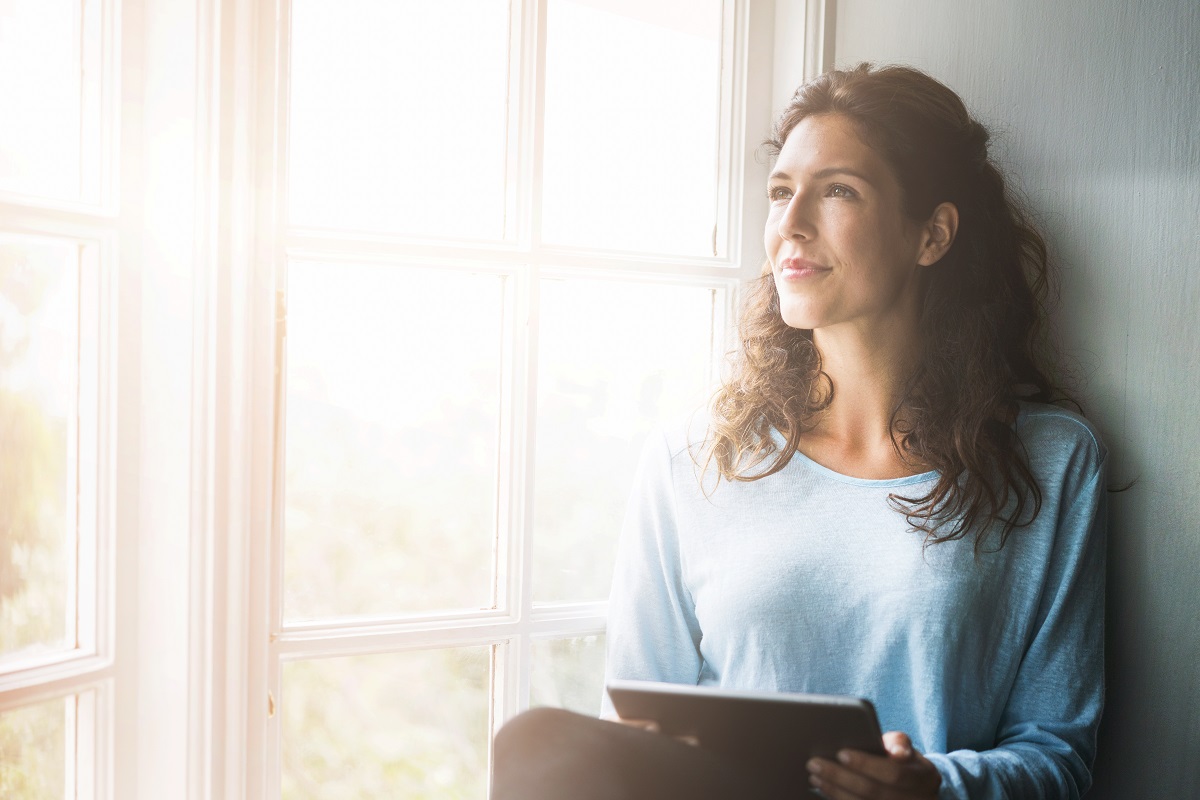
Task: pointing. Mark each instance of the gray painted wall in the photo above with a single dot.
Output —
(1095, 110)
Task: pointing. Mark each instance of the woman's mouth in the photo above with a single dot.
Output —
(793, 269)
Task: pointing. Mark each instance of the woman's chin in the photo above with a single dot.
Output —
(803, 319)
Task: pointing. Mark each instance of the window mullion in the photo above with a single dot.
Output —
(521, 528)
(514, 677)
(265, 552)
(724, 229)
(349, 248)
(533, 111)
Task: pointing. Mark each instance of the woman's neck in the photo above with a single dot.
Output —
(854, 434)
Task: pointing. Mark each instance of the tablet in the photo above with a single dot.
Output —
(774, 734)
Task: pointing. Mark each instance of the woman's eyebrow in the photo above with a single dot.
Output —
(824, 173)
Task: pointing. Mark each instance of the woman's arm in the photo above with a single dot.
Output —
(1046, 738)
(652, 629)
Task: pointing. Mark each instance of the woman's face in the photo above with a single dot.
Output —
(843, 253)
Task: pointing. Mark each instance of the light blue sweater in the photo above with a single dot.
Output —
(807, 581)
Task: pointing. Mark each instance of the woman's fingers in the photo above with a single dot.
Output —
(897, 744)
(904, 773)
(839, 783)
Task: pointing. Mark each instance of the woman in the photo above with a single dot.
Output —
(882, 501)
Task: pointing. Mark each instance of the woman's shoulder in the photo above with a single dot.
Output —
(1060, 440)
(676, 445)
(683, 434)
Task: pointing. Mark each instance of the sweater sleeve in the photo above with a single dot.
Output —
(1046, 739)
(652, 630)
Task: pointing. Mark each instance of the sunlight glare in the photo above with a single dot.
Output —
(398, 117)
(631, 144)
(41, 81)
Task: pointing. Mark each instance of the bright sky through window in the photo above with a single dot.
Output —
(398, 117)
(45, 88)
(632, 126)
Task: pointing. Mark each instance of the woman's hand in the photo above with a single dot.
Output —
(900, 775)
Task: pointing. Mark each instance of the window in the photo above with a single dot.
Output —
(58, 232)
(329, 333)
(507, 240)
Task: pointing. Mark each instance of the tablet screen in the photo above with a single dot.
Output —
(773, 734)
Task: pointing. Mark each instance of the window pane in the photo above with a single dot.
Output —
(38, 363)
(632, 113)
(33, 750)
(398, 116)
(568, 673)
(615, 359)
(42, 82)
(411, 725)
(393, 402)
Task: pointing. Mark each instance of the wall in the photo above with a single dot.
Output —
(1095, 112)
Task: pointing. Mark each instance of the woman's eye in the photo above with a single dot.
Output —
(838, 190)
(778, 193)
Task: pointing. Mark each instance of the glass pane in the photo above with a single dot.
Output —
(33, 750)
(615, 360)
(568, 673)
(399, 115)
(393, 404)
(411, 725)
(38, 361)
(632, 112)
(42, 82)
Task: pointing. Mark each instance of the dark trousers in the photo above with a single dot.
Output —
(551, 754)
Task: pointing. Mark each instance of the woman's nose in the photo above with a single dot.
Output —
(797, 221)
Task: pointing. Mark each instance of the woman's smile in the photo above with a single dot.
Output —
(794, 269)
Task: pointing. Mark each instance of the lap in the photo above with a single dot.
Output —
(551, 754)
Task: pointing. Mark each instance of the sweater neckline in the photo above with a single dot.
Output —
(882, 483)
(877, 483)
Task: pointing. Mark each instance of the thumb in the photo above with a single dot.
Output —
(897, 744)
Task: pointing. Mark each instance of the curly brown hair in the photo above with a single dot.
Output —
(982, 345)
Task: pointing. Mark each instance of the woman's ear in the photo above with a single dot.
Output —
(938, 233)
